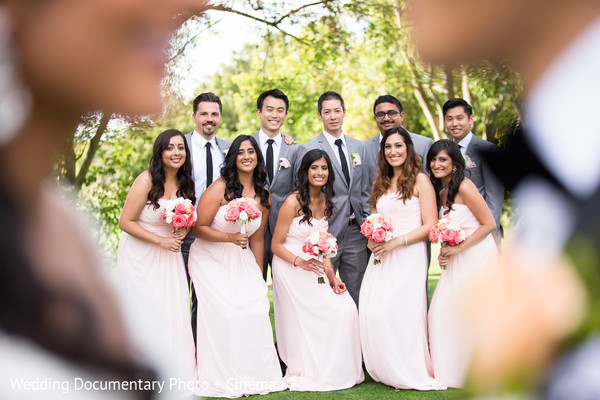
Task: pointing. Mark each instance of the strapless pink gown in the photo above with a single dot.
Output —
(236, 354)
(449, 341)
(317, 329)
(393, 306)
(155, 277)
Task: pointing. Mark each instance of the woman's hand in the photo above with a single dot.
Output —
(170, 243)
(239, 239)
(371, 243)
(180, 233)
(448, 251)
(312, 265)
(379, 249)
(338, 286)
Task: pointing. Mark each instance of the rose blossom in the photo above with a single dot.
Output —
(367, 230)
(323, 244)
(447, 235)
(379, 235)
(386, 225)
(232, 215)
(179, 208)
(253, 211)
(179, 221)
(191, 219)
(434, 234)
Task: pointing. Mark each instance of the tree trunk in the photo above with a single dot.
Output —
(91, 151)
(419, 90)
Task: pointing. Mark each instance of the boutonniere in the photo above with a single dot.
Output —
(355, 159)
(284, 162)
(225, 152)
(468, 162)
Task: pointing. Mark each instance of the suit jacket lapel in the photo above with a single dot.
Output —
(350, 147)
(283, 153)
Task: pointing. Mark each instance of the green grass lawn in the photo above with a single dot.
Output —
(370, 389)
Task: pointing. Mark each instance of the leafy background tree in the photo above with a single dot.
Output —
(362, 49)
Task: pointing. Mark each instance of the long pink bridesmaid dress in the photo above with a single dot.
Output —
(393, 306)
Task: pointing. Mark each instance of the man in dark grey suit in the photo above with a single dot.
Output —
(458, 116)
(388, 113)
(351, 188)
(272, 109)
(207, 155)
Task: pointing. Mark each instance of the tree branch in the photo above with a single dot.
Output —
(272, 23)
(93, 147)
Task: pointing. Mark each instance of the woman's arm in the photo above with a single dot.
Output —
(287, 212)
(426, 194)
(207, 209)
(472, 198)
(257, 243)
(137, 198)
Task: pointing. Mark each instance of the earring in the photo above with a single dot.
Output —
(15, 101)
(454, 170)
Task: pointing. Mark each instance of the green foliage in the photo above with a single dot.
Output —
(107, 184)
(361, 49)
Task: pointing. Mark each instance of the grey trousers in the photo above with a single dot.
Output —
(352, 259)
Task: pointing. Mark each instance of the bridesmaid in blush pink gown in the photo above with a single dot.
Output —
(150, 264)
(459, 201)
(235, 351)
(393, 295)
(316, 324)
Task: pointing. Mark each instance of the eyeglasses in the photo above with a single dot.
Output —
(381, 115)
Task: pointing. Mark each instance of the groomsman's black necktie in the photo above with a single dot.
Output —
(209, 165)
(343, 161)
(270, 160)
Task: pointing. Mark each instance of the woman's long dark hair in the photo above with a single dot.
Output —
(229, 172)
(410, 169)
(302, 185)
(458, 162)
(157, 170)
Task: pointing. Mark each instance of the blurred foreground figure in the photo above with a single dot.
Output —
(59, 59)
(526, 308)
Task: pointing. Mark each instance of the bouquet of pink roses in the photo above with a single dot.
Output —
(447, 233)
(379, 229)
(179, 212)
(243, 210)
(320, 244)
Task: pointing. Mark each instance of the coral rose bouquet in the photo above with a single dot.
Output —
(320, 244)
(243, 210)
(179, 212)
(447, 233)
(379, 229)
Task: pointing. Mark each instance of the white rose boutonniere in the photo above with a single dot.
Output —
(468, 162)
(284, 162)
(355, 159)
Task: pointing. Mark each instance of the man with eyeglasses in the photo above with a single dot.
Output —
(388, 114)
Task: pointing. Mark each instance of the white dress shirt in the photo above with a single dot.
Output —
(263, 138)
(336, 152)
(464, 143)
(199, 161)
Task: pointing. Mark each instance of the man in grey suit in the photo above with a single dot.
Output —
(206, 155)
(351, 188)
(388, 113)
(272, 109)
(458, 116)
